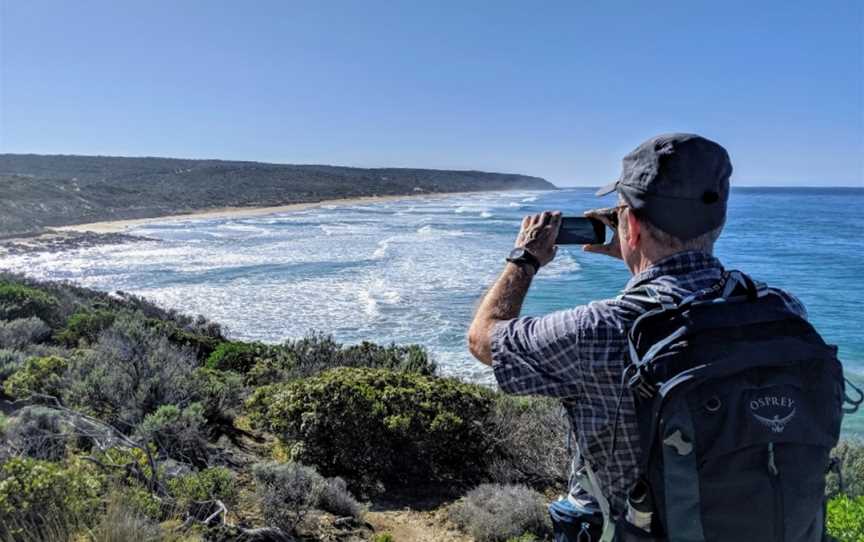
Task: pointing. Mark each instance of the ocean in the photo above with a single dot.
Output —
(412, 270)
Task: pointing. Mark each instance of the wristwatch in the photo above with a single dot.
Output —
(520, 256)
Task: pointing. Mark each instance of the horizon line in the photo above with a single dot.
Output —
(859, 186)
(734, 185)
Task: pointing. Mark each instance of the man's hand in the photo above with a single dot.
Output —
(538, 234)
(613, 247)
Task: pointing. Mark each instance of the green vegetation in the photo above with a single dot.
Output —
(236, 356)
(402, 428)
(121, 417)
(206, 485)
(177, 432)
(846, 518)
(38, 375)
(31, 490)
(20, 301)
(85, 326)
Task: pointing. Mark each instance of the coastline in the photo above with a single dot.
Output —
(121, 226)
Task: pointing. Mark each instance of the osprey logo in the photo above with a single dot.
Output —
(765, 408)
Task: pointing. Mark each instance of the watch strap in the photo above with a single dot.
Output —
(525, 257)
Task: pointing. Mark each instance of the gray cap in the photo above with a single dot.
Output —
(678, 182)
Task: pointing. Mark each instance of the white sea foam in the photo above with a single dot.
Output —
(564, 265)
(409, 273)
(381, 251)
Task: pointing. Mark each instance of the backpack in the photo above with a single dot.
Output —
(739, 402)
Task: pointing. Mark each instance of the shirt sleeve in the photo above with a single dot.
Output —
(539, 355)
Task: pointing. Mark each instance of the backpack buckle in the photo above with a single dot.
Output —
(640, 383)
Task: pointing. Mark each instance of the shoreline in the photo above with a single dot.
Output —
(123, 225)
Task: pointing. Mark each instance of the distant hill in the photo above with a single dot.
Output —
(40, 191)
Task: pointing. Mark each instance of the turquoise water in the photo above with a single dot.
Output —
(413, 270)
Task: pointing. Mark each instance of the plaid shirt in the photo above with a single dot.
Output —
(578, 355)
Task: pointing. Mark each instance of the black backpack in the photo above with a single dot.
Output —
(739, 402)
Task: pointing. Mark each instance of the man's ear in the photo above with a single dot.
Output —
(634, 230)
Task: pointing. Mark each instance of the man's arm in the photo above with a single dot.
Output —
(504, 300)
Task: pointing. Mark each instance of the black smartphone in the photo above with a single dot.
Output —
(580, 230)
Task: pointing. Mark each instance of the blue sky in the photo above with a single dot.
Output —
(556, 89)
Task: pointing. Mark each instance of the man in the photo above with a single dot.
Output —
(673, 192)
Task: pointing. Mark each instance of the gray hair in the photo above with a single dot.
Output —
(704, 242)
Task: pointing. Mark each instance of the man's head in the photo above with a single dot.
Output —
(672, 192)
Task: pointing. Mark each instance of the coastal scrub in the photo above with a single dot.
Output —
(372, 425)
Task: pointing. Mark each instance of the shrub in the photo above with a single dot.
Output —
(850, 454)
(412, 358)
(496, 513)
(10, 361)
(236, 356)
(317, 353)
(139, 501)
(289, 491)
(529, 435)
(206, 485)
(37, 375)
(130, 371)
(846, 518)
(20, 301)
(337, 499)
(85, 326)
(38, 433)
(374, 423)
(132, 467)
(200, 341)
(221, 393)
(31, 489)
(22, 332)
(177, 433)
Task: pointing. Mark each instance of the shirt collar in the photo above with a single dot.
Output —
(680, 263)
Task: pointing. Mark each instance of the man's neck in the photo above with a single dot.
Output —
(647, 259)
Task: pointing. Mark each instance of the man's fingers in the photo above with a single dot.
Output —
(545, 217)
(598, 249)
(601, 214)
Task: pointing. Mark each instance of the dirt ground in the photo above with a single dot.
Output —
(416, 526)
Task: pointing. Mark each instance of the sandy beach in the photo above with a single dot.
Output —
(120, 226)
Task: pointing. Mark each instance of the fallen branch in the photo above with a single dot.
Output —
(220, 510)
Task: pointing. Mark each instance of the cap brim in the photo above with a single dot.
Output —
(608, 189)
